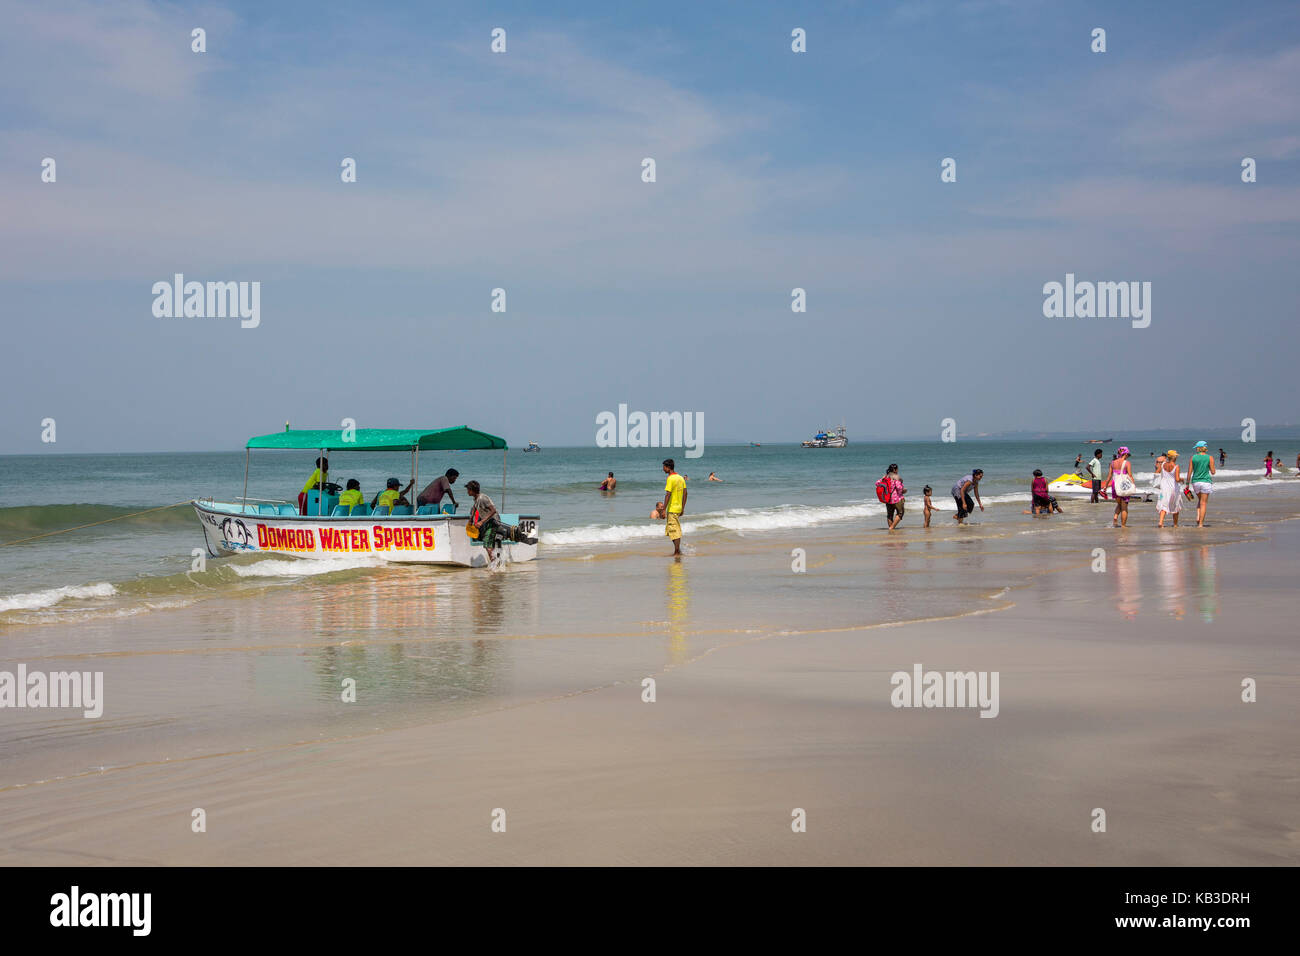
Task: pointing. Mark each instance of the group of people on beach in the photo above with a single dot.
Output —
(1172, 484)
(1116, 482)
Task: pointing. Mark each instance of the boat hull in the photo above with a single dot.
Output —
(410, 539)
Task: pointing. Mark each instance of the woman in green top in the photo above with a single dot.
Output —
(1201, 480)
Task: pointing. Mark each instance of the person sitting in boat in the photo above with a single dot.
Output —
(391, 497)
(609, 483)
(352, 496)
(434, 490)
(317, 480)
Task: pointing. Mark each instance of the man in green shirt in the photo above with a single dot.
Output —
(1094, 469)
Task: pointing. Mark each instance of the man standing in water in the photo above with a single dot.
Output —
(674, 504)
(1094, 469)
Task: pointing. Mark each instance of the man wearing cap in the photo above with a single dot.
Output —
(391, 497)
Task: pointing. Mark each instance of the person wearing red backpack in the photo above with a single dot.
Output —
(890, 490)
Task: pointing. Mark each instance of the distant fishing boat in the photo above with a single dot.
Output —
(829, 438)
(533, 446)
(756, 444)
(429, 534)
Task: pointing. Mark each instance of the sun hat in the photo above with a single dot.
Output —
(1123, 449)
(1201, 444)
(1171, 453)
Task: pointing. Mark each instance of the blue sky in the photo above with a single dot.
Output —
(522, 171)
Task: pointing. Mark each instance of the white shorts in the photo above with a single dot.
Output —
(1202, 487)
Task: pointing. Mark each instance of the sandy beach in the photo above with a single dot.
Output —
(522, 691)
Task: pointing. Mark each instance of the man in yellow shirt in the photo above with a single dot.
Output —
(352, 497)
(317, 480)
(674, 504)
(390, 496)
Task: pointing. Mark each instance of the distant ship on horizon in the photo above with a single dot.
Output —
(828, 439)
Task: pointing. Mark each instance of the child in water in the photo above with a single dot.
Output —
(1268, 466)
(929, 505)
(1039, 500)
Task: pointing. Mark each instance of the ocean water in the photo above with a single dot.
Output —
(118, 561)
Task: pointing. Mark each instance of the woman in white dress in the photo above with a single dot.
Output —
(1170, 486)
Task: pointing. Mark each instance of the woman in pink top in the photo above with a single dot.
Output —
(1120, 466)
(894, 499)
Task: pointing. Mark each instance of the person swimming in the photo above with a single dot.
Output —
(713, 477)
(610, 483)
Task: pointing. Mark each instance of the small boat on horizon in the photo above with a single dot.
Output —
(533, 446)
(829, 438)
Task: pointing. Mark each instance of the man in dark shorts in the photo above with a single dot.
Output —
(961, 493)
(434, 490)
(1094, 469)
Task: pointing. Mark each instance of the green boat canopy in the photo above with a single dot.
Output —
(460, 438)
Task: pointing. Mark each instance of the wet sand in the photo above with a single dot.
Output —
(522, 691)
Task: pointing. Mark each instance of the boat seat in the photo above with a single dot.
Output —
(289, 510)
(382, 510)
(446, 508)
(268, 510)
(427, 510)
(401, 510)
(360, 511)
(340, 511)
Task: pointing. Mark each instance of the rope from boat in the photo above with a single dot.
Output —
(134, 514)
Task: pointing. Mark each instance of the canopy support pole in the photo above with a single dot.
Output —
(504, 452)
(320, 488)
(415, 472)
(243, 502)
